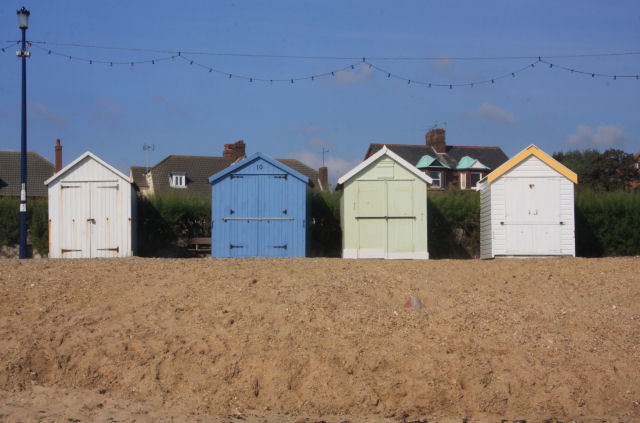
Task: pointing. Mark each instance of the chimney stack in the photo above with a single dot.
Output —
(323, 175)
(436, 139)
(58, 156)
(234, 151)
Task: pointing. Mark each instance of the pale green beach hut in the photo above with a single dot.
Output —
(384, 209)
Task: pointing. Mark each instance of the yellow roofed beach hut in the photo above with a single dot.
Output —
(384, 209)
(527, 207)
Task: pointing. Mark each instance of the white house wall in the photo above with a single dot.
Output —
(89, 176)
(532, 167)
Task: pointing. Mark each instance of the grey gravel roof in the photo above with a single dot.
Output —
(39, 170)
(197, 170)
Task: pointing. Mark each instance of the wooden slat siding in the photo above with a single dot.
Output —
(374, 214)
(485, 223)
(567, 232)
(497, 216)
(530, 168)
(89, 174)
(257, 189)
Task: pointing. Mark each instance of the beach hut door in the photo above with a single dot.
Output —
(532, 216)
(105, 219)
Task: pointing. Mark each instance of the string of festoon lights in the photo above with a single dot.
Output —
(365, 63)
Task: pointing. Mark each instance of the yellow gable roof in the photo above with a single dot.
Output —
(532, 150)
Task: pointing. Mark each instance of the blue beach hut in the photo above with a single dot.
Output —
(258, 209)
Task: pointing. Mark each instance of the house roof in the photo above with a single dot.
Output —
(428, 161)
(470, 163)
(381, 152)
(86, 154)
(38, 170)
(492, 157)
(137, 176)
(198, 169)
(253, 157)
(532, 150)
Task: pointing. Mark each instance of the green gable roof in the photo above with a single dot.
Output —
(470, 163)
(428, 161)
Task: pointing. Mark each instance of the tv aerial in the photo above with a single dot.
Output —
(324, 151)
(146, 148)
(438, 125)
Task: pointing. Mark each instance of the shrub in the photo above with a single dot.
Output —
(326, 235)
(9, 221)
(37, 223)
(607, 223)
(454, 224)
(169, 220)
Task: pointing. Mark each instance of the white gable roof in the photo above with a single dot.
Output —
(385, 151)
(78, 160)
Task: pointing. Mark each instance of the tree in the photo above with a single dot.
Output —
(609, 171)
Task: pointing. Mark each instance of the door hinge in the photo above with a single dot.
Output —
(280, 246)
(116, 249)
(231, 246)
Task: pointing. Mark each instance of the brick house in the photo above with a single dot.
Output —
(450, 167)
(189, 175)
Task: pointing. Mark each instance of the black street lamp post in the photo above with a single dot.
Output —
(23, 24)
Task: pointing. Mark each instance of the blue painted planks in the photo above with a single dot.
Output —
(258, 210)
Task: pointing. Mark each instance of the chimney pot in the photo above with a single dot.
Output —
(58, 150)
(234, 151)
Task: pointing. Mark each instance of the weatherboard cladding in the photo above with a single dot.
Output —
(38, 170)
(91, 211)
(528, 209)
(258, 210)
(384, 209)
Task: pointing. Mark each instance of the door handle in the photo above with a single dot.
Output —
(91, 220)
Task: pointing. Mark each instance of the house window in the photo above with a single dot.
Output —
(463, 180)
(475, 177)
(436, 175)
(178, 180)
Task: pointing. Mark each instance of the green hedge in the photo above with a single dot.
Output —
(165, 223)
(37, 223)
(453, 224)
(607, 223)
(325, 234)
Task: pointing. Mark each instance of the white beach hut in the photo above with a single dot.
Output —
(526, 207)
(92, 209)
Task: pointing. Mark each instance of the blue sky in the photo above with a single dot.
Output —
(184, 109)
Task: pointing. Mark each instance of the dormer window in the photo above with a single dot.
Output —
(178, 180)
